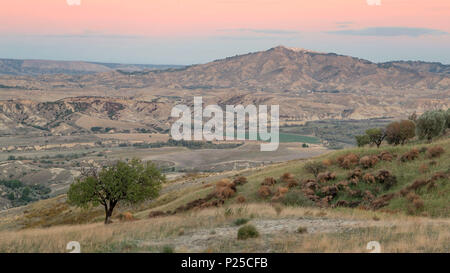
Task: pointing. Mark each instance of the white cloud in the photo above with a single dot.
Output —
(73, 2)
(374, 2)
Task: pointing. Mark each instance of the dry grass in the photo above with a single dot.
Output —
(396, 233)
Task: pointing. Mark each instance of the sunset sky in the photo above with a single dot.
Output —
(197, 31)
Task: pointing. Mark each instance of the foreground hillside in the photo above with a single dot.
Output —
(400, 199)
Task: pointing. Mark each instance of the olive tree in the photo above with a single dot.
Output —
(131, 182)
(431, 124)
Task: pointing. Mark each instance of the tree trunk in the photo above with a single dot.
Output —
(108, 212)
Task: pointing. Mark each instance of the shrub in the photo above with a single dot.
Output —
(286, 177)
(246, 232)
(347, 161)
(168, 249)
(368, 161)
(314, 167)
(225, 189)
(327, 162)
(302, 230)
(369, 178)
(292, 183)
(126, 217)
(269, 181)
(296, 198)
(325, 176)
(241, 221)
(264, 191)
(240, 199)
(435, 151)
(241, 180)
(386, 178)
(409, 156)
(431, 124)
(386, 156)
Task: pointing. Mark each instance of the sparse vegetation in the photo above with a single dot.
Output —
(247, 232)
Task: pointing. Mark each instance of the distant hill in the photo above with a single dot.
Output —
(42, 67)
(283, 69)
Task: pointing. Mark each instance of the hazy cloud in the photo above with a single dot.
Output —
(389, 31)
(261, 31)
(374, 2)
(73, 2)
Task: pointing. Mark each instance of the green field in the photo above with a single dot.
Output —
(290, 137)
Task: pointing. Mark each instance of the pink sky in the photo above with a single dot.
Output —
(205, 17)
(193, 31)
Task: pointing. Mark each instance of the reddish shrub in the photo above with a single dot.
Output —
(385, 156)
(126, 217)
(282, 191)
(368, 196)
(329, 190)
(241, 180)
(292, 183)
(369, 178)
(269, 181)
(347, 161)
(286, 177)
(225, 189)
(409, 156)
(435, 151)
(310, 184)
(356, 173)
(325, 176)
(327, 162)
(418, 203)
(225, 192)
(386, 178)
(240, 199)
(368, 161)
(264, 191)
(382, 201)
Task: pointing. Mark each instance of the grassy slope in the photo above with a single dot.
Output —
(55, 212)
(428, 235)
(436, 201)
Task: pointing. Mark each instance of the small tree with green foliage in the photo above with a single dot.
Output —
(399, 132)
(362, 140)
(431, 124)
(376, 136)
(131, 182)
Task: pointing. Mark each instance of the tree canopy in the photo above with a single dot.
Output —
(431, 124)
(131, 182)
(399, 132)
